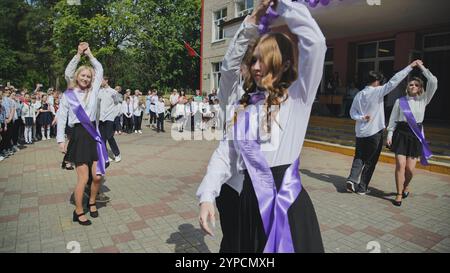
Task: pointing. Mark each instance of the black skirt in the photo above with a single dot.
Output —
(82, 148)
(29, 121)
(45, 118)
(405, 142)
(242, 226)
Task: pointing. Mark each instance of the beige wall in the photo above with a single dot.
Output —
(213, 51)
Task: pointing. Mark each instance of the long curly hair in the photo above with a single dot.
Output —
(278, 55)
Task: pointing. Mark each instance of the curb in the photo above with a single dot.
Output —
(436, 167)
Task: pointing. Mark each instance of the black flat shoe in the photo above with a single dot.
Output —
(397, 203)
(76, 218)
(405, 194)
(94, 214)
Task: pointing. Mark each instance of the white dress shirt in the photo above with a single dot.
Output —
(108, 103)
(417, 103)
(160, 107)
(28, 112)
(153, 102)
(370, 101)
(88, 99)
(36, 106)
(174, 99)
(127, 109)
(226, 164)
(137, 107)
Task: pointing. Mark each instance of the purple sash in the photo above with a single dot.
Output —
(426, 152)
(78, 110)
(273, 205)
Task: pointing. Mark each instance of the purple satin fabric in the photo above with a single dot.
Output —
(266, 20)
(426, 152)
(273, 205)
(256, 97)
(86, 122)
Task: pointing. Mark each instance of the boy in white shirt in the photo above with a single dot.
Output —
(160, 108)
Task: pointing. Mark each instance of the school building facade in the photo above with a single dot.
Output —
(361, 36)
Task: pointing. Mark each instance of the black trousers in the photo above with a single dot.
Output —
(367, 152)
(160, 122)
(117, 126)
(38, 135)
(128, 124)
(152, 117)
(107, 131)
(6, 136)
(137, 122)
(16, 130)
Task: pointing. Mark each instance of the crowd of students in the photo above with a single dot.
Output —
(26, 117)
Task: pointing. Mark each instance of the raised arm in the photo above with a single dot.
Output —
(432, 83)
(395, 80)
(98, 68)
(231, 64)
(311, 48)
(71, 68)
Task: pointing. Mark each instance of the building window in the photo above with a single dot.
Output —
(215, 74)
(219, 17)
(439, 41)
(327, 72)
(377, 56)
(244, 7)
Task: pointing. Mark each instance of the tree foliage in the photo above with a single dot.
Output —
(139, 42)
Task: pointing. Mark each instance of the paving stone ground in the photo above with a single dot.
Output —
(154, 208)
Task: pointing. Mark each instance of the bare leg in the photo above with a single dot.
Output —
(409, 172)
(95, 187)
(82, 178)
(400, 165)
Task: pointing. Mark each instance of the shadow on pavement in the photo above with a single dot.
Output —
(337, 181)
(188, 232)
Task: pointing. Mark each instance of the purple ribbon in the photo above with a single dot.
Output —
(266, 20)
(256, 97)
(426, 152)
(78, 110)
(273, 205)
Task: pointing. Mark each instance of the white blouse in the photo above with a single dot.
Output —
(89, 102)
(370, 101)
(417, 103)
(226, 164)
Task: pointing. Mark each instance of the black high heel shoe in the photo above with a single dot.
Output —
(94, 214)
(397, 203)
(66, 166)
(76, 218)
(405, 194)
